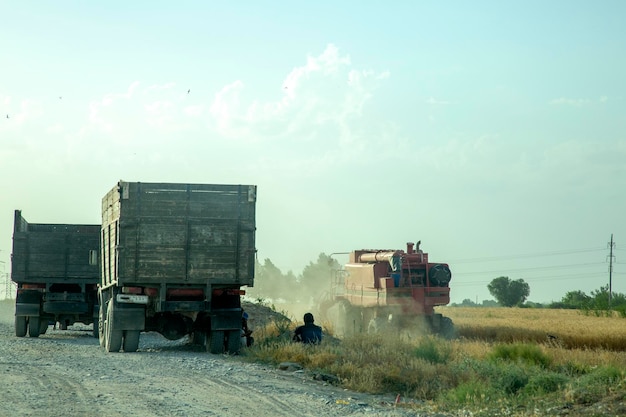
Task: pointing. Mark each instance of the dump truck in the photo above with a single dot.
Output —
(380, 289)
(55, 267)
(175, 260)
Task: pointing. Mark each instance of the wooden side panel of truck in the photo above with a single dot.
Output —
(178, 233)
(57, 271)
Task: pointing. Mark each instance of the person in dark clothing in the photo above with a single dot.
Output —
(246, 333)
(309, 333)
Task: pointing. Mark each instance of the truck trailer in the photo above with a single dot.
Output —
(174, 260)
(55, 267)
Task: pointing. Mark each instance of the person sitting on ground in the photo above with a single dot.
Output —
(309, 333)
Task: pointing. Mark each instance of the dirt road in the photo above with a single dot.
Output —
(66, 373)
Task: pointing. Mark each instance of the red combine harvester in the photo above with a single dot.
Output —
(380, 289)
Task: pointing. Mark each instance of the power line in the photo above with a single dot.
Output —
(542, 279)
(535, 268)
(527, 255)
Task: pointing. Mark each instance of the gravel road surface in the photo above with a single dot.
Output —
(67, 373)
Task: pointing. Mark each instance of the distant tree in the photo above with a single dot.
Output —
(489, 303)
(468, 303)
(600, 298)
(315, 278)
(576, 300)
(507, 292)
(531, 304)
(270, 282)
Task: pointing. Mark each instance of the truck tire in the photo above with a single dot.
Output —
(113, 337)
(234, 342)
(34, 326)
(95, 332)
(20, 326)
(43, 326)
(131, 340)
(215, 342)
(101, 323)
(198, 338)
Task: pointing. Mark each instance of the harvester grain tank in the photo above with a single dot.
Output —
(174, 260)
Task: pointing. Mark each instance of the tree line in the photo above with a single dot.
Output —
(514, 293)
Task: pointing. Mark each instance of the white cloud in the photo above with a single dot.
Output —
(321, 101)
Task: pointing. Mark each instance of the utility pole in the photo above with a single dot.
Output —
(611, 246)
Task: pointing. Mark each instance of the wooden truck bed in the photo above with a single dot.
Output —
(178, 233)
(54, 252)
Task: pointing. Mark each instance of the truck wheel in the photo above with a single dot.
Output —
(215, 342)
(101, 323)
(198, 338)
(113, 337)
(234, 342)
(95, 332)
(43, 326)
(131, 340)
(34, 326)
(20, 326)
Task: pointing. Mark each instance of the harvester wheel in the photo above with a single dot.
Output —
(376, 325)
(215, 341)
(34, 326)
(446, 328)
(131, 340)
(113, 337)
(20, 326)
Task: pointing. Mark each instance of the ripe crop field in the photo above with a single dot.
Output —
(568, 329)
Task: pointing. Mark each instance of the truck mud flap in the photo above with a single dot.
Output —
(226, 321)
(60, 307)
(28, 297)
(129, 318)
(24, 309)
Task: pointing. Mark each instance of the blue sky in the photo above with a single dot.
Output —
(494, 132)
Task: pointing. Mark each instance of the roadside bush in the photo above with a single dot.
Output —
(609, 375)
(433, 350)
(473, 392)
(510, 378)
(521, 352)
(545, 383)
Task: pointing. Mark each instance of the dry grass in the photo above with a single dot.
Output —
(503, 359)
